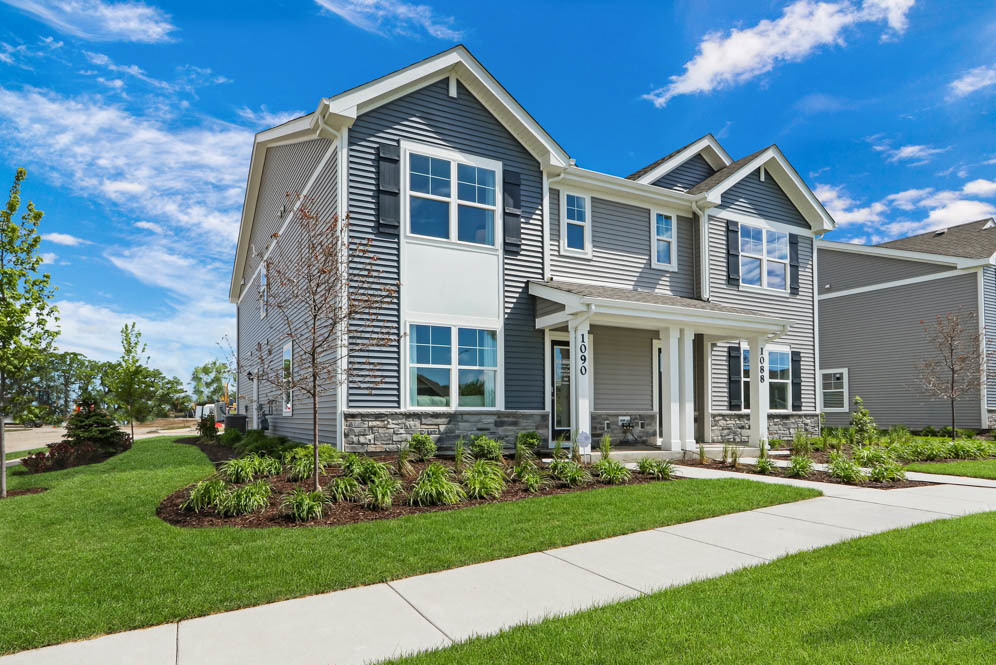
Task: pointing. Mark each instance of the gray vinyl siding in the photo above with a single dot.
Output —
(847, 270)
(798, 309)
(620, 257)
(430, 116)
(878, 336)
(272, 331)
(286, 170)
(751, 196)
(622, 367)
(685, 176)
(989, 320)
(545, 307)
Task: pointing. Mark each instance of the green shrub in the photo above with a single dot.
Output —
(304, 506)
(303, 468)
(765, 465)
(612, 472)
(845, 469)
(484, 447)
(862, 423)
(886, 472)
(484, 479)
(344, 488)
(255, 441)
(920, 450)
(569, 472)
(898, 435)
(658, 469)
(250, 498)
(530, 440)
(871, 455)
(929, 430)
(801, 444)
(531, 479)
(962, 433)
(422, 446)
(327, 454)
(800, 466)
(208, 428)
(204, 495)
(524, 467)
(370, 470)
(230, 437)
(435, 487)
(240, 469)
(95, 426)
(380, 493)
(967, 449)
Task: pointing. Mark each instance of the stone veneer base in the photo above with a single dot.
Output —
(382, 431)
(735, 427)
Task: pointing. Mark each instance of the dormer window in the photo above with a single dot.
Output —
(575, 224)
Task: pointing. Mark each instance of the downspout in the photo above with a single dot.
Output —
(703, 250)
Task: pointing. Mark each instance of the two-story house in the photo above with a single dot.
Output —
(672, 306)
(878, 306)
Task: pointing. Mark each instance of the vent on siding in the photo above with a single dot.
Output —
(940, 232)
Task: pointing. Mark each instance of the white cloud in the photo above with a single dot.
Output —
(980, 187)
(908, 199)
(149, 226)
(972, 80)
(818, 102)
(104, 61)
(265, 118)
(97, 20)
(912, 154)
(64, 239)
(49, 257)
(386, 17)
(726, 60)
(846, 210)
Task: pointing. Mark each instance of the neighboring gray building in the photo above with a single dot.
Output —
(536, 294)
(874, 302)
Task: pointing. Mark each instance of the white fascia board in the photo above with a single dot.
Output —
(907, 255)
(623, 190)
(691, 314)
(712, 151)
(788, 179)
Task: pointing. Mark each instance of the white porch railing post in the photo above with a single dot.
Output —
(580, 382)
(670, 390)
(758, 392)
(686, 389)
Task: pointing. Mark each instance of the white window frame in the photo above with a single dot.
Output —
(845, 390)
(654, 238)
(263, 290)
(745, 382)
(286, 392)
(454, 366)
(571, 251)
(454, 158)
(765, 259)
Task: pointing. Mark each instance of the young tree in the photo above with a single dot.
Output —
(208, 381)
(318, 283)
(25, 313)
(958, 367)
(129, 380)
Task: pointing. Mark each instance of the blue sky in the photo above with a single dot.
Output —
(135, 119)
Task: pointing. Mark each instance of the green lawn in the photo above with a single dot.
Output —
(973, 468)
(24, 453)
(914, 596)
(89, 556)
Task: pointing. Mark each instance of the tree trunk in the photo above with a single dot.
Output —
(3, 437)
(314, 427)
(953, 399)
(131, 421)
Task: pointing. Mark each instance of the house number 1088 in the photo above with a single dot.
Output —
(583, 355)
(760, 365)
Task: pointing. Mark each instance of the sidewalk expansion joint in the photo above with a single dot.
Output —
(595, 573)
(763, 559)
(421, 614)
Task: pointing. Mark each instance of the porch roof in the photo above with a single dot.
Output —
(644, 309)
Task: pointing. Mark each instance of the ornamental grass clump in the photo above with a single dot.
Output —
(461, 456)
(422, 446)
(569, 472)
(845, 469)
(658, 469)
(403, 465)
(531, 479)
(800, 466)
(801, 445)
(304, 505)
(240, 469)
(484, 479)
(435, 487)
(380, 493)
(765, 466)
(344, 488)
(303, 468)
(251, 498)
(612, 472)
(204, 495)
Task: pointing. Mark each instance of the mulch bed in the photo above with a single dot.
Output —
(350, 513)
(34, 490)
(817, 476)
(216, 452)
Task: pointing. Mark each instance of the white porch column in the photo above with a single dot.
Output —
(686, 389)
(580, 382)
(758, 392)
(670, 390)
(705, 411)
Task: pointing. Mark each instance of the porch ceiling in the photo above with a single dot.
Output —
(642, 309)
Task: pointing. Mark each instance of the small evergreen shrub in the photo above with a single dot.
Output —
(204, 495)
(484, 447)
(230, 437)
(435, 487)
(344, 488)
(95, 426)
(422, 446)
(484, 479)
(304, 506)
(380, 493)
(800, 466)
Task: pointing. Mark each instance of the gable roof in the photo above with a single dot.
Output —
(724, 173)
(973, 240)
(707, 146)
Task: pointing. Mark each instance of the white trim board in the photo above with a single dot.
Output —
(714, 154)
(893, 284)
(889, 252)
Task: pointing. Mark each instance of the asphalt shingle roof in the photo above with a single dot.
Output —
(971, 240)
(636, 175)
(724, 173)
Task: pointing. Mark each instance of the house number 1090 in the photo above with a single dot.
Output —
(583, 355)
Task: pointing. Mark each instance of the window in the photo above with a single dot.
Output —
(779, 377)
(288, 375)
(662, 240)
(576, 234)
(834, 390)
(437, 381)
(263, 291)
(764, 258)
(436, 209)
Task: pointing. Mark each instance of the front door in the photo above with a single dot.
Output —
(561, 394)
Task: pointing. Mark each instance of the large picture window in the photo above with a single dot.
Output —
(438, 378)
(465, 212)
(833, 384)
(764, 256)
(287, 370)
(779, 377)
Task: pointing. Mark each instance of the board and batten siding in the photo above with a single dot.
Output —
(271, 331)
(430, 116)
(989, 321)
(286, 171)
(761, 198)
(622, 367)
(847, 270)
(686, 175)
(796, 308)
(878, 336)
(620, 256)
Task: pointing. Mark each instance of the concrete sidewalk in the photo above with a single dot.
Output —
(376, 622)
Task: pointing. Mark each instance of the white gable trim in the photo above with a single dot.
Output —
(708, 146)
(903, 254)
(785, 175)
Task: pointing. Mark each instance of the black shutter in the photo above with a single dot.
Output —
(388, 188)
(793, 263)
(797, 381)
(736, 387)
(512, 205)
(732, 253)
